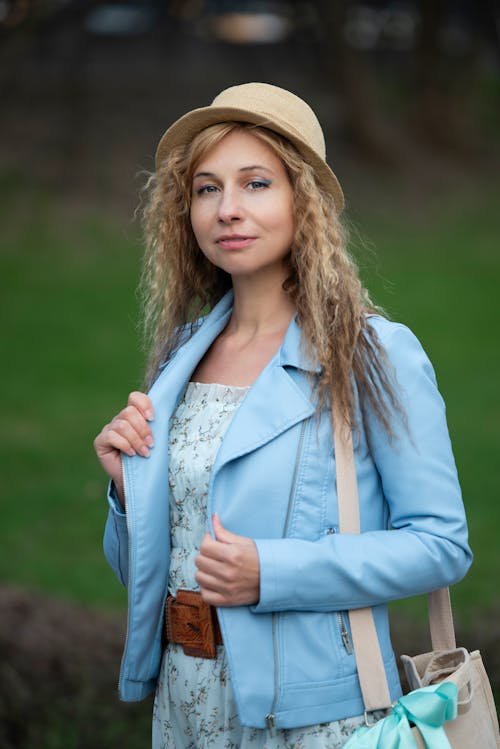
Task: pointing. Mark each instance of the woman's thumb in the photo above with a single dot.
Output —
(221, 534)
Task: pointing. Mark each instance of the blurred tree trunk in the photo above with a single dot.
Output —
(345, 65)
(54, 42)
(437, 106)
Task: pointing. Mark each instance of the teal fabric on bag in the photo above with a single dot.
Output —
(428, 708)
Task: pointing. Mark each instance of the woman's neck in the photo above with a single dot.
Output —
(259, 320)
(259, 308)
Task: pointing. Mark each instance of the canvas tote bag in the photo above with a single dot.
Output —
(451, 702)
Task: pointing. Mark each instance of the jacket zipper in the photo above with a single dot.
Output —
(344, 632)
(270, 717)
(129, 571)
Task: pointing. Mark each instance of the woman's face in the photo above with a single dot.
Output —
(242, 207)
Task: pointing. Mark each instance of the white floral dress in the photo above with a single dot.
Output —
(194, 706)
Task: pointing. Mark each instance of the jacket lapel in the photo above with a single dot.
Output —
(281, 396)
(171, 383)
(273, 404)
(150, 477)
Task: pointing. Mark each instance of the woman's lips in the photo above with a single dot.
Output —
(235, 243)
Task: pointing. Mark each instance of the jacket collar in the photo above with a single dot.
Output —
(292, 352)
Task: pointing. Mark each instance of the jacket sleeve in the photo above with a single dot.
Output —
(426, 547)
(115, 541)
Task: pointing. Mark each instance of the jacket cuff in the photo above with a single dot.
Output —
(273, 584)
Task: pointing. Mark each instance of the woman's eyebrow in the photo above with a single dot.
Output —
(255, 166)
(204, 174)
(250, 168)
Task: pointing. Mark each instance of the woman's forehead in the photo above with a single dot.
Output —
(240, 150)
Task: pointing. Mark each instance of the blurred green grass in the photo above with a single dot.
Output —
(70, 355)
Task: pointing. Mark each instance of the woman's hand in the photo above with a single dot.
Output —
(228, 568)
(128, 432)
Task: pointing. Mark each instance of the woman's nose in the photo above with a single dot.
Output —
(229, 208)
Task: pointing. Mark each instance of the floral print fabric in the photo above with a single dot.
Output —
(196, 431)
(194, 707)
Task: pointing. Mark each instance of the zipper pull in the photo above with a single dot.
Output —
(347, 641)
(344, 634)
(271, 724)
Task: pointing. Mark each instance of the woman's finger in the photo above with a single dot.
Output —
(121, 443)
(125, 429)
(215, 599)
(136, 419)
(217, 570)
(222, 534)
(229, 592)
(217, 550)
(208, 582)
(142, 402)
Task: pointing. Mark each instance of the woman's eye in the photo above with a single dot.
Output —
(205, 188)
(258, 184)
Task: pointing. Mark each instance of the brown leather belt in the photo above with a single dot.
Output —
(192, 623)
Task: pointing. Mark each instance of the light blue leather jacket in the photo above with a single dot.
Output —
(273, 480)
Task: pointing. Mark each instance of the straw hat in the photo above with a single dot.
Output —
(271, 107)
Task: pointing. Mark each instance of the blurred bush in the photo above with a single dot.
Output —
(58, 677)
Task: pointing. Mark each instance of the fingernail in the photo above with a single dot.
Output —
(150, 441)
(145, 452)
(149, 415)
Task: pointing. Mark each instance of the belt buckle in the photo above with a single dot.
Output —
(189, 622)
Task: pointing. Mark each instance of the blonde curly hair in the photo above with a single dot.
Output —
(179, 284)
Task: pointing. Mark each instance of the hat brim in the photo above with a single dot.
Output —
(186, 127)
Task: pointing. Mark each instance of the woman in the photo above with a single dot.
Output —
(258, 321)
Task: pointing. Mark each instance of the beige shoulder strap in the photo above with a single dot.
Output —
(371, 671)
